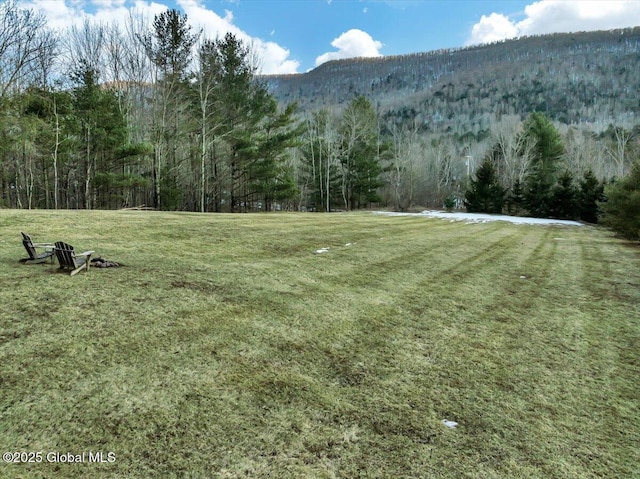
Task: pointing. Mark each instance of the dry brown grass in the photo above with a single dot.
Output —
(226, 348)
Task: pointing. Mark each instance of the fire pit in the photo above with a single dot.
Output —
(104, 263)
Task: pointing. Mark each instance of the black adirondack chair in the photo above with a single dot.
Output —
(32, 250)
(71, 260)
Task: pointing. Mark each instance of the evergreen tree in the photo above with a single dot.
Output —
(515, 199)
(169, 47)
(621, 211)
(269, 178)
(591, 193)
(254, 133)
(485, 194)
(564, 198)
(548, 149)
(57, 132)
(22, 130)
(360, 154)
(243, 104)
(102, 128)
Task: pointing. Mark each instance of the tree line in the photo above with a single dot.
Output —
(550, 189)
(153, 115)
(156, 114)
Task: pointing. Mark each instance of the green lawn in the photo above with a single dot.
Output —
(226, 348)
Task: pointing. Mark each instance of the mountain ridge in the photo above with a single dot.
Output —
(573, 77)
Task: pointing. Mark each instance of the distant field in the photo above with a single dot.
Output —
(226, 348)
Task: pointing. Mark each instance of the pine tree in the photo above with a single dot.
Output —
(102, 127)
(591, 193)
(360, 154)
(544, 165)
(269, 178)
(621, 211)
(515, 199)
(564, 198)
(242, 130)
(485, 194)
(169, 47)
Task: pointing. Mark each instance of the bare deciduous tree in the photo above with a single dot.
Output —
(514, 150)
(618, 151)
(402, 176)
(26, 48)
(84, 48)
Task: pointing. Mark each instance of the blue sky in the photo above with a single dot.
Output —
(307, 27)
(297, 35)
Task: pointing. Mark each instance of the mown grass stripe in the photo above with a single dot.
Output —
(226, 348)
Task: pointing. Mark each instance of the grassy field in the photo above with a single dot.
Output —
(226, 348)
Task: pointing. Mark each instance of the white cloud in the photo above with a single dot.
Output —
(58, 13)
(62, 14)
(108, 3)
(551, 16)
(273, 57)
(354, 43)
(492, 28)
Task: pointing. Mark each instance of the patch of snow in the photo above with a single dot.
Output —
(483, 218)
(321, 250)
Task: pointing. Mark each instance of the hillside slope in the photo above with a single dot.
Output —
(574, 78)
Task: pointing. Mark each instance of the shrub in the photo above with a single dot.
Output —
(449, 202)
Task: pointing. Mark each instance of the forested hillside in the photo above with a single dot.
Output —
(573, 78)
(440, 114)
(155, 114)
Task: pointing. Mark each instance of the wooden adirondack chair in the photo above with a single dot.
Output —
(69, 259)
(34, 256)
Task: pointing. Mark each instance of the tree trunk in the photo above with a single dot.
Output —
(55, 157)
(203, 157)
(156, 177)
